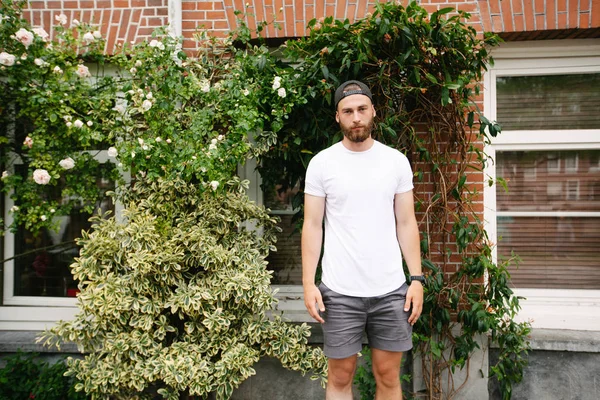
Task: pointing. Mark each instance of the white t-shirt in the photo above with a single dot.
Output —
(361, 256)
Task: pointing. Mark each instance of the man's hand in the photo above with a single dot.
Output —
(313, 299)
(414, 298)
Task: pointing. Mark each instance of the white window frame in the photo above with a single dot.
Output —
(290, 297)
(544, 308)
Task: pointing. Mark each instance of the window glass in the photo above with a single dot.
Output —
(543, 220)
(44, 269)
(549, 180)
(548, 102)
(286, 262)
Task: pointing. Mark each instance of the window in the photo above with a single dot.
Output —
(286, 262)
(42, 275)
(548, 154)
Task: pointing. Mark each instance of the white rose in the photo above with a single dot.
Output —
(88, 37)
(205, 87)
(212, 146)
(7, 59)
(160, 46)
(149, 95)
(214, 185)
(78, 123)
(146, 105)
(281, 92)
(220, 137)
(67, 163)
(74, 23)
(168, 140)
(89, 123)
(145, 147)
(52, 210)
(57, 70)
(83, 71)
(158, 139)
(41, 33)
(5, 174)
(132, 70)
(138, 63)
(24, 36)
(214, 141)
(120, 106)
(41, 176)
(67, 117)
(97, 34)
(153, 43)
(43, 217)
(61, 19)
(39, 62)
(14, 209)
(112, 152)
(246, 92)
(69, 124)
(141, 141)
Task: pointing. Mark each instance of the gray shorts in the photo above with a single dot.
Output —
(347, 318)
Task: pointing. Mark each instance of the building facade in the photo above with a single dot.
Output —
(543, 89)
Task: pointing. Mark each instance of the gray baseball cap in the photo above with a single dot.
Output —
(340, 94)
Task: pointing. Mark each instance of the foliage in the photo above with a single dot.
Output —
(424, 71)
(170, 302)
(26, 377)
(175, 295)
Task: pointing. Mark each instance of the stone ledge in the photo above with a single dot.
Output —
(12, 341)
(563, 340)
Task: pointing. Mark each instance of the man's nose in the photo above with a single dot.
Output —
(356, 116)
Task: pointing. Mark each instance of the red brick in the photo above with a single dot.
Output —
(494, 6)
(189, 24)
(595, 12)
(215, 15)
(584, 20)
(156, 3)
(561, 5)
(187, 6)
(138, 3)
(145, 31)
(496, 23)
(36, 6)
(507, 16)
(116, 17)
(220, 25)
(539, 22)
(55, 5)
(149, 12)
(529, 16)
(68, 4)
(519, 25)
(194, 16)
(573, 18)
(329, 10)
(121, 3)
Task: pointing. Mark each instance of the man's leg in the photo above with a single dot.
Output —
(339, 378)
(386, 368)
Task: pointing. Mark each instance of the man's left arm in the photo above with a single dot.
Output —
(407, 232)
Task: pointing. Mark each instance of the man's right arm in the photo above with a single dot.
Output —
(312, 239)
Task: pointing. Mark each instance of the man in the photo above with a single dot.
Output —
(363, 189)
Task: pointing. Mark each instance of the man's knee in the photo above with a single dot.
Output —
(387, 371)
(341, 372)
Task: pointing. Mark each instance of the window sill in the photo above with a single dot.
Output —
(563, 340)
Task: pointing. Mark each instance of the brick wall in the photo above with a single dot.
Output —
(120, 21)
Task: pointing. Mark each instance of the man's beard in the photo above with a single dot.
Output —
(358, 135)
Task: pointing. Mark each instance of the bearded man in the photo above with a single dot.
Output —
(363, 190)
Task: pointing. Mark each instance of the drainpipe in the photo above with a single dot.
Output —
(175, 17)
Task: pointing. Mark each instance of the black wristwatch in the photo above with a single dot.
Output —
(419, 278)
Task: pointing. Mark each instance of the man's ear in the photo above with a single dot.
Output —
(374, 112)
(337, 117)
